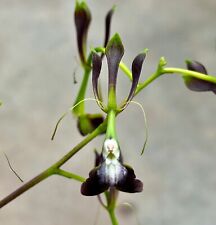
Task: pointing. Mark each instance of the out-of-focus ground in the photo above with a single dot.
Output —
(38, 57)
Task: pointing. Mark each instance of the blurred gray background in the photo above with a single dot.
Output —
(38, 57)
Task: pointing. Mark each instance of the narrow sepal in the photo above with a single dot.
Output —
(196, 84)
(94, 185)
(196, 66)
(82, 18)
(136, 71)
(108, 25)
(98, 158)
(114, 53)
(129, 183)
(96, 68)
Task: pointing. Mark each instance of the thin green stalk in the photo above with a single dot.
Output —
(113, 217)
(126, 70)
(111, 125)
(69, 175)
(80, 109)
(52, 169)
(100, 129)
(40, 177)
(170, 70)
(190, 73)
(149, 80)
(111, 198)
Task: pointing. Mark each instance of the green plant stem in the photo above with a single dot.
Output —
(125, 69)
(180, 71)
(149, 80)
(160, 71)
(69, 175)
(113, 217)
(54, 168)
(80, 109)
(111, 197)
(40, 177)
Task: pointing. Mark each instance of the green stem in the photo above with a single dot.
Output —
(54, 168)
(113, 217)
(149, 80)
(100, 129)
(170, 70)
(69, 175)
(126, 70)
(111, 205)
(80, 109)
(42, 176)
(189, 73)
(111, 125)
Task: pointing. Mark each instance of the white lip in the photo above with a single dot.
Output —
(112, 171)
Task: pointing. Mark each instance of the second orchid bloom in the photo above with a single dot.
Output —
(110, 172)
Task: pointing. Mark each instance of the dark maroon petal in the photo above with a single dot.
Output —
(96, 68)
(114, 52)
(82, 18)
(93, 185)
(108, 25)
(129, 183)
(196, 84)
(98, 158)
(196, 66)
(136, 71)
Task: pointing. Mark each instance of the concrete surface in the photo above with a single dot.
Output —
(38, 56)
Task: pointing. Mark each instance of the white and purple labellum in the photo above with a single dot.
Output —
(110, 172)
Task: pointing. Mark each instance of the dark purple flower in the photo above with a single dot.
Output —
(196, 84)
(110, 173)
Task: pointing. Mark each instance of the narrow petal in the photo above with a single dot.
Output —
(108, 25)
(114, 53)
(129, 183)
(94, 185)
(195, 84)
(98, 158)
(196, 66)
(82, 18)
(136, 71)
(96, 68)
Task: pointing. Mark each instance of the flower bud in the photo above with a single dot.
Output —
(196, 84)
(88, 122)
(82, 17)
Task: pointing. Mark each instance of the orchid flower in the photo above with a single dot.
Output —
(110, 172)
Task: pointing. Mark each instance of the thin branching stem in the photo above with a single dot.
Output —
(69, 175)
(54, 168)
